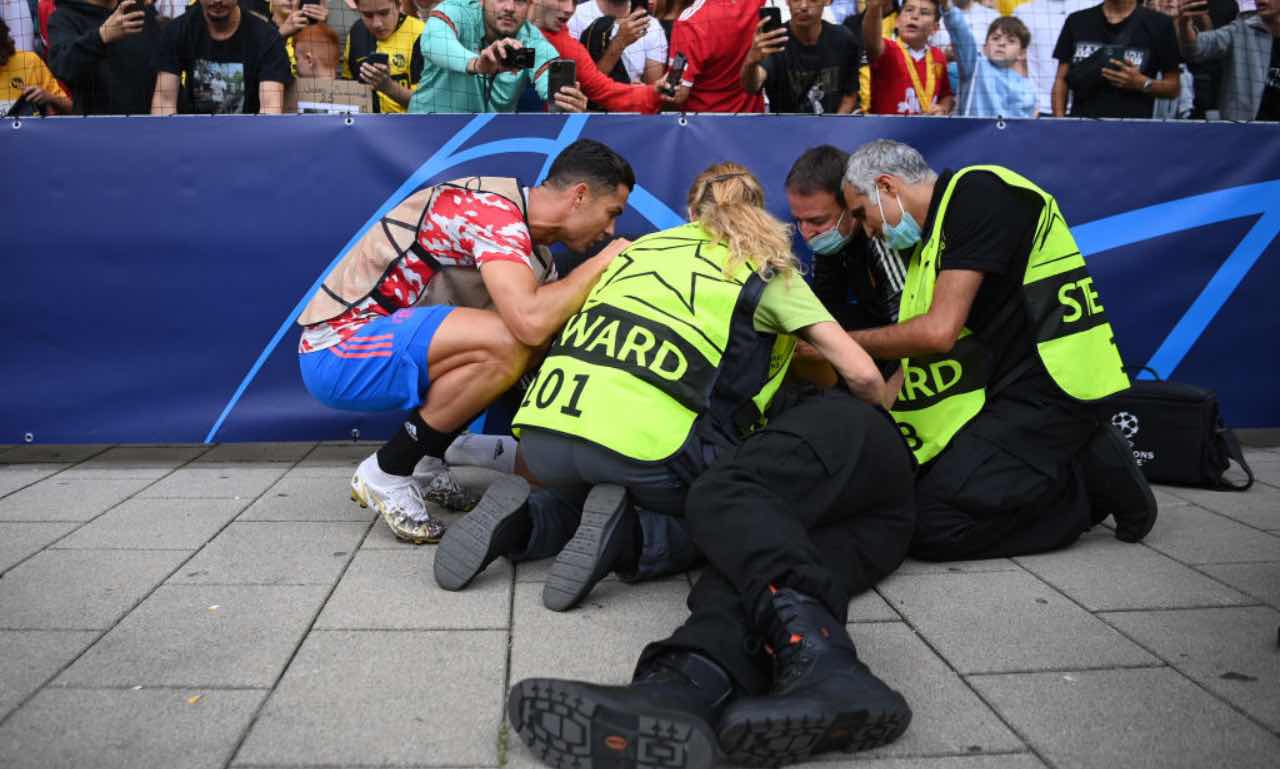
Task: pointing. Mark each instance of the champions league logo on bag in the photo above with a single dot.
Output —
(1128, 424)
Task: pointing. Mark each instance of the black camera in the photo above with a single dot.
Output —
(518, 58)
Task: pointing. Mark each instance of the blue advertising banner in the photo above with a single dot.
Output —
(156, 266)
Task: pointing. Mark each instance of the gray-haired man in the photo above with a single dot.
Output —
(1003, 340)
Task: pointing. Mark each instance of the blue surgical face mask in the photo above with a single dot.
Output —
(904, 234)
(831, 241)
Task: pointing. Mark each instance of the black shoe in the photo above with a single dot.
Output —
(605, 534)
(662, 720)
(498, 525)
(823, 697)
(1116, 486)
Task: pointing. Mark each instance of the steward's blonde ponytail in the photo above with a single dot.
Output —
(728, 201)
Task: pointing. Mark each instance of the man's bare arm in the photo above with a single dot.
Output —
(853, 365)
(535, 313)
(934, 332)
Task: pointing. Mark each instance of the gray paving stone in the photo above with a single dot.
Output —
(1193, 535)
(871, 607)
(536, 571)
(264, 553)
(1260, 580)
(141, 524)
(369, 697)
(56, 499)
(911, 566)
(230, 480)
(50, 452)
(307, 498)
(14, 477)
(395, 590)
(998, 761)
(947, 717)
(258, 452)
(327, 460)
(149, 729)
(1100, 572)
(1006, 621)
(1166, 498)
(28, 658)
(150, 462)
(1230, 651)
(80, 589)
(19, 540)
(201, 635)
(598, 641)
(1259, 506)
(1137, 719)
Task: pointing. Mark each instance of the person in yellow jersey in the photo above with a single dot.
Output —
(676, 354)
(1004, 341)
(385, 29)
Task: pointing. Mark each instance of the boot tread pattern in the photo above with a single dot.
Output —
(773, 742)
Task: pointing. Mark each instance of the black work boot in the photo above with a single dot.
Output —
(498, 525)
(661, 720)
(605, 537)
(1116, 486)
(823, 697)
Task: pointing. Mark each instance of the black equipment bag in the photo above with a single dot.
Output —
(1177, 434)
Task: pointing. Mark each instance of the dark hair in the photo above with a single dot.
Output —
(819, 169)
(937, 7)
(1011, 25)
(592, 162)
(7, 47)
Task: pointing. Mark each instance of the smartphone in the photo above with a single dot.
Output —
(302, 3)
(519, 58)
(772, 17)
(640, 5)
(675, 74)
(138, 5)
(560, 73)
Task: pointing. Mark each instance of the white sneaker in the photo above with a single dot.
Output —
(398, 500)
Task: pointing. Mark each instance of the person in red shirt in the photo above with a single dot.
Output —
(908, 76)
(715, 37)
(551, 18)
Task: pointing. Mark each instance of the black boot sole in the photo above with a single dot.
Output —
(469, 545)
(572, 725)
(1139, 508)
(583, 562)
(761, 734)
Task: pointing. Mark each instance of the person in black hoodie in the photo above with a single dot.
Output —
(102, 50)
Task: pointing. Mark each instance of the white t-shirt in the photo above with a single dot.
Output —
(651, 47)
(17, 15)
(1045, 19)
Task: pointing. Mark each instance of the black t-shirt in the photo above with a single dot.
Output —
(866, 273)
(988, 228)
(222, 76)
(812, 79)
(1152, 45)
(1270, 108)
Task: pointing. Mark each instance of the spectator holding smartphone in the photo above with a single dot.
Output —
(1249, 47)
(291, 18)
(993, 81)
(715, 37)
(551, 18)
(102, 50)
(638, 41)
(466, 66)
(1109, 57)
(220, 60)
(383, 28)
(908, 76)
(25, 78)
(808, 66)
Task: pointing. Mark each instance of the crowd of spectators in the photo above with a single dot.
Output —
(984, 58)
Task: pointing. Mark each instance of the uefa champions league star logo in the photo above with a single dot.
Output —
(1128, 424)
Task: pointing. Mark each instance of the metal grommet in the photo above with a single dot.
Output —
(17, 124)
(29, 438)
(1000, 124)
(350, 121)
(355, 431)
(683, 120)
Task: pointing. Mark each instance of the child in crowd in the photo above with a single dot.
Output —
(993, 82)
(908, 76)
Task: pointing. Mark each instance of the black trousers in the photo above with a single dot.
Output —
(1009, 482)
(819, 501)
